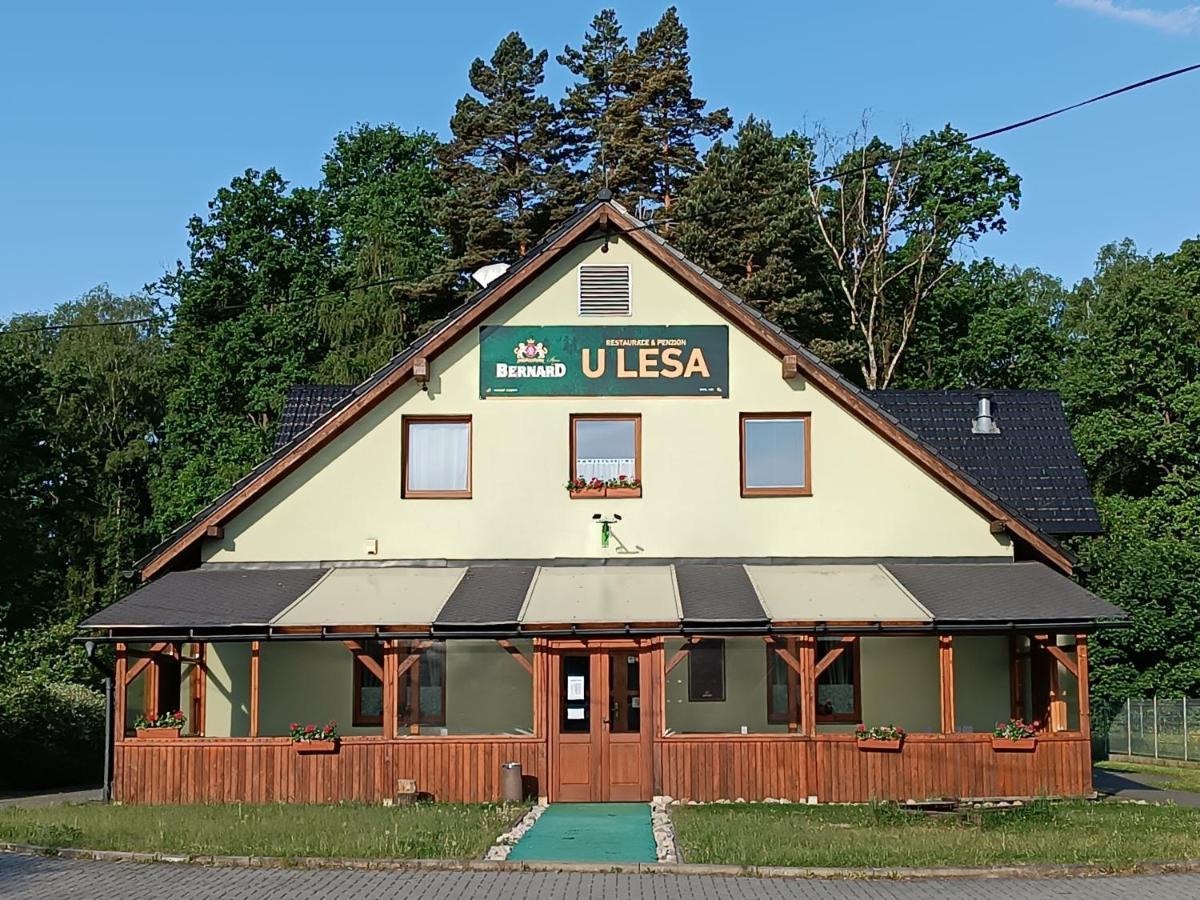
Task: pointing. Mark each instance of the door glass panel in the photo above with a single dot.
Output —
(575, 693)
(624, 701)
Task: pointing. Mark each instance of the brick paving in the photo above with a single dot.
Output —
(27, 877)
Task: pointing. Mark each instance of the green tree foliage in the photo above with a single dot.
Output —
(379, 197)
(658, 124)
(246, 328)
(1131, 384)
(87, 407)
(507, 159)
(596, 107)
(891, 219)
(27, 554)
(988, 326)
(739, 218)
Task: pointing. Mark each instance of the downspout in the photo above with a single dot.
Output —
(109, 706)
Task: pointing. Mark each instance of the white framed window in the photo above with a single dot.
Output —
(437, 457)
(776, 455)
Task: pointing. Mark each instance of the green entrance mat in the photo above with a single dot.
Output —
(589, 832)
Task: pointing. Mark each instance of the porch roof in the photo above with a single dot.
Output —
(383, 596)
(653, 597)
(847, 593)
(1000, 592)
(201, 598)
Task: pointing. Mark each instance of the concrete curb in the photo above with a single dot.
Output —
(693, 869)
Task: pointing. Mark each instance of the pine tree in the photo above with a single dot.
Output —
(740, 219)
(507, 159)
(593, 105)
(660, 134)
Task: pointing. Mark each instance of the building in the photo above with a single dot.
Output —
(776, 558)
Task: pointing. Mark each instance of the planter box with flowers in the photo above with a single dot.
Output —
(879, 737)
(595, 489)
(1014, 735)
(582, 489)
(164, 727)
(623, 486)
(315, 738)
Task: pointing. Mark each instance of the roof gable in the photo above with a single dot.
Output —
(592, 222)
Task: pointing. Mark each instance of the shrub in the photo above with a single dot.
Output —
(51, 734)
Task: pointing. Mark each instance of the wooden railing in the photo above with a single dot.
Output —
(833, 769)
(269, 770)
(693, 767)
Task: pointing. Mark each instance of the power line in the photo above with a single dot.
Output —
(831, 176)
(970, 139)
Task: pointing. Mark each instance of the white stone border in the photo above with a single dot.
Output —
(499, 851)
(666, 849)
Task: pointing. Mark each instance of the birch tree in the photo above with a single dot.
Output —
(890, 219)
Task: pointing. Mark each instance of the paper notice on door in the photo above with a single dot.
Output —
(575, 712)
(575, 687)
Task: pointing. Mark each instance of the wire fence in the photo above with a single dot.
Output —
(1157, 728)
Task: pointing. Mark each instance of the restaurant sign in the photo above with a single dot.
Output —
(585, 360)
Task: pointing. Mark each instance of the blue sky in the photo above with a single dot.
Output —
(121, 120)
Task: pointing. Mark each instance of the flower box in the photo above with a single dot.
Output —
(316, 746)
(624, 492)
(588, 494)
(161, 734)
(1014, 744)
(887, 745)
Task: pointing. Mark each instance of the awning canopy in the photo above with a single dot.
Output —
(550, 600)
(359, 596)
(842, 593)
(593, 594)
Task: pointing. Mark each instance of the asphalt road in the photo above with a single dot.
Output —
(27, 877)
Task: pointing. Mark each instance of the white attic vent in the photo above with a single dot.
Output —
(604, 290)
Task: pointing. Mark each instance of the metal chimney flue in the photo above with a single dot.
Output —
(984, 421)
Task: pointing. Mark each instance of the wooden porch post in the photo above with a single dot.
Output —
(254, 648)
(121, 691)
(390, 701)
(946, 677)
(806, 651)
(1085, 701)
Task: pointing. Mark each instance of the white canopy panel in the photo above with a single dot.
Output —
(384, 596)
(625, 594)
(841, 593)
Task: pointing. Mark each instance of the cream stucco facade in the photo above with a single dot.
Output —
(868, 500)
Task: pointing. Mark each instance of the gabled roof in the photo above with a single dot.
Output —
(1031, 463)
(593, 221)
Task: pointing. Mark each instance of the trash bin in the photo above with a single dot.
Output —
(511, 788)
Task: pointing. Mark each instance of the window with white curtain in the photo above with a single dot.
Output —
(775, 454)
(605, 447)
(437, 457)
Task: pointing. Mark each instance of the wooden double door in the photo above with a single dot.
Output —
(601, 721)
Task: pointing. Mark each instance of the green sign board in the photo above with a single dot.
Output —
(603, 360)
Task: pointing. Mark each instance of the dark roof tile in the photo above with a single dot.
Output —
(200, 598)
(1031, 464)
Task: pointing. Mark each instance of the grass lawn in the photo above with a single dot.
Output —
(441, 831)
(1108, 834)
(1174, 778)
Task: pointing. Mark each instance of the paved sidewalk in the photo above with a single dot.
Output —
(1140, 786)
(28, 877)
(29, 799)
